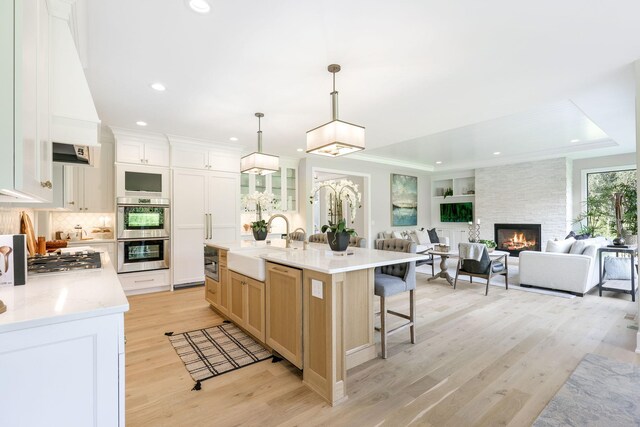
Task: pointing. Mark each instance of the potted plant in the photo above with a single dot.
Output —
(259, 202)
(490, 244)
(338, 195)
(448, 192)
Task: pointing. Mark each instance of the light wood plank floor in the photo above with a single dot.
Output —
(479, 360)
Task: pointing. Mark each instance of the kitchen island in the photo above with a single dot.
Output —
(318, 310)
(62, 349)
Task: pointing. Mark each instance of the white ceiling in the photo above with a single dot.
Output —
(430, 80)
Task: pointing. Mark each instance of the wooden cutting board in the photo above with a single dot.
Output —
(26, 227)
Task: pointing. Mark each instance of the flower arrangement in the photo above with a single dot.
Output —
(340, 193)
(259, 202)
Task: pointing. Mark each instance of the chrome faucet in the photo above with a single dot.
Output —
(288, 239)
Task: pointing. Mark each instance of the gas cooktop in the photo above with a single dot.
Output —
(65, 262)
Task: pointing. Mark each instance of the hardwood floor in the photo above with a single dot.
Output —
(483, 361)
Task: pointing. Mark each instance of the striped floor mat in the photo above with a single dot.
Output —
(209, 352)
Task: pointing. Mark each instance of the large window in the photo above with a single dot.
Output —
(598, 216)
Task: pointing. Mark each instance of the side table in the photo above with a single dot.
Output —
(631, 250)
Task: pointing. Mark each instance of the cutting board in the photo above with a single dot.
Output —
(26, 227)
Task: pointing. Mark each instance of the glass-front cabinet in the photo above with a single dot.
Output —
(283, 184)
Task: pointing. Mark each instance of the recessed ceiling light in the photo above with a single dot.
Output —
(299, 150)
(158, 86)
(496, 153)
(438, 162)
(233, 138)
(141, 123)
(575, 140)
(199, 6)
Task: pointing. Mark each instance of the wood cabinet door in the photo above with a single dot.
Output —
(224, 290)
(284, 312)
(237, 300)
(212, 292)
(254, 320)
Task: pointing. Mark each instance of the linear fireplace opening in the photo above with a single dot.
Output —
(515, 238)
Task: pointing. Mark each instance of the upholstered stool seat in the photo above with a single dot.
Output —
(393, 280)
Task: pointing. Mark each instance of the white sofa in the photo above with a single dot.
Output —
(568, 265)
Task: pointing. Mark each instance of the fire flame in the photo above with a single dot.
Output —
(518, 241)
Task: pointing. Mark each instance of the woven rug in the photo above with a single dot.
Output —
(600, 392)
(210, 352)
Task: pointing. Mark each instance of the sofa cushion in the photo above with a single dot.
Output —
(560, 246)
(422, 237)
(617, 268)
(590, 250)
(433, 236)
(578, 247)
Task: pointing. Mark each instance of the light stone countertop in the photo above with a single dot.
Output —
(319, 257)
(50, 298)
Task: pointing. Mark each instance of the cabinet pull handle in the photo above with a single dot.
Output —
(46, 184)
(206, 225)
(71, 203)
(145, 280)
(282, 270)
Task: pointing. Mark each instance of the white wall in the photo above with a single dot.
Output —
(528, 193)
(380, 183)
(582, 165)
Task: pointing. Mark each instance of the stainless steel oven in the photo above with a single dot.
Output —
(143, 255)
(141, 218)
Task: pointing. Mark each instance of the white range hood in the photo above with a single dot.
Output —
(74, 119)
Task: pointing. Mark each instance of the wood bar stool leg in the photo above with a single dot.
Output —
(412, 314)
(383, 327)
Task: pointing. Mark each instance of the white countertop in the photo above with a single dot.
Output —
(84, 242)
(319, 257)
(61, 297)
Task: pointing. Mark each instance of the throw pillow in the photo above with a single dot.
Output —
(396, 235)
(423, 237)
(433, 236)
(590, 250)
(617, 268)
(578, 247)
(388, 235)
(560, 246)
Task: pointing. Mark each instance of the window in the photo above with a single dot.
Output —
(599, 211)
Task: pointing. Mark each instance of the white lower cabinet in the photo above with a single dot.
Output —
(145, 281)
(206, 206)
(64, 374)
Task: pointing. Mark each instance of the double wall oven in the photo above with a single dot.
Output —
(143, 230)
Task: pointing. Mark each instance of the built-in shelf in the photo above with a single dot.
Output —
(460, 187)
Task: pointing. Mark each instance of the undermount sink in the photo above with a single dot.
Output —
(249, 263)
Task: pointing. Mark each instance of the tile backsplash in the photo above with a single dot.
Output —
(65, 221)
(10, 219)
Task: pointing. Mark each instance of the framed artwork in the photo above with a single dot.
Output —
(404, 200)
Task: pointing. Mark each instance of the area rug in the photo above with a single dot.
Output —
(600, 392)
(213, 351)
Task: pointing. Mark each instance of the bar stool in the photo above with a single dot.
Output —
(394, 279)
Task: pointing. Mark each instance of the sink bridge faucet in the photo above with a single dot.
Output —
(288, 238)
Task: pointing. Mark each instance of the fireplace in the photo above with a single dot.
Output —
(515, 238)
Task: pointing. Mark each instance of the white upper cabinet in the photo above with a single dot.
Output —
(141, 148)
(197, 154)
(74, 119)
(25, 141)
(283, 184)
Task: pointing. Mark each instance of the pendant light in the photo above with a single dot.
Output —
(335, 138)
(259, 163)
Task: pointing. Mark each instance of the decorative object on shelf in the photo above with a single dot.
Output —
(617, 206)
(474, 231)
(490, 244)
(258, 163)
(335, 138)
(448, 192)
(259, 202)
(339, 193)
(404, 200)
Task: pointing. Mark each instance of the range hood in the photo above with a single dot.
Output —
(75, 155)
(74, 119)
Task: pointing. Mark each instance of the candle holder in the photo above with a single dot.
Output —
(474, 232)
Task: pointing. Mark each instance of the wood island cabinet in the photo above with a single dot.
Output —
(246, 303)
(284, 311)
